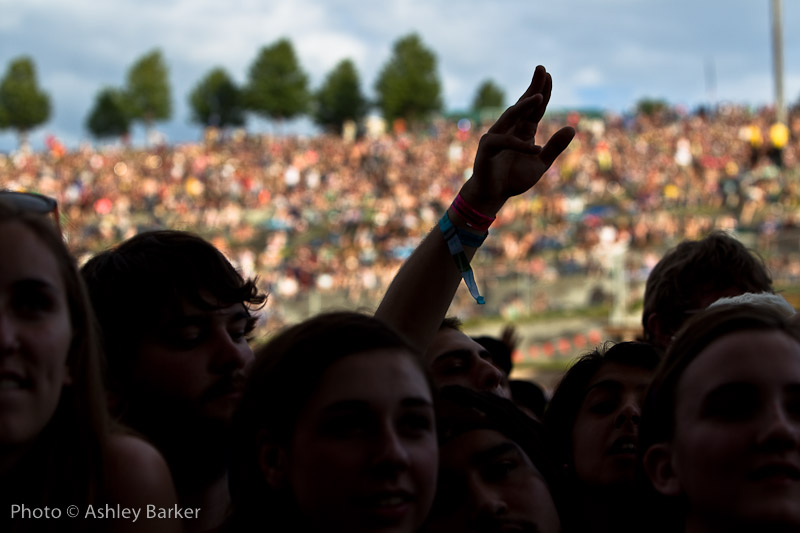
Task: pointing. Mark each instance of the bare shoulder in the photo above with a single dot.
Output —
(138, 477)
(137, 462)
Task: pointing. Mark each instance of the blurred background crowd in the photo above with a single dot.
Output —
(326, 221)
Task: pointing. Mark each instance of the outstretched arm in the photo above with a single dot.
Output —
(508, 163)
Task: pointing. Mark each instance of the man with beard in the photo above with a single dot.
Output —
(175, 316)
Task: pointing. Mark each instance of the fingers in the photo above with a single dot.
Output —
(536, 84)
(496, 142)
(511, 116)
(546, 92)
(541, 84)
(557, 144)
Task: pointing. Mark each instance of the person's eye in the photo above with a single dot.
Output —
(241, 330)
(184, 338)
(32, 304)
(793, 406)
(345, 426)
(731, 407)
(415, 425)
(452, 368)
(603, 406)
(500, 469)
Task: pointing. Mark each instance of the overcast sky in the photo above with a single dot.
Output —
(602, 53)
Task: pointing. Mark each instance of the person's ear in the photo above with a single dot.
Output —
(660, 470)
(657, 336)
(271, 460)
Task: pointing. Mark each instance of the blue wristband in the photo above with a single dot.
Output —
(451, 236)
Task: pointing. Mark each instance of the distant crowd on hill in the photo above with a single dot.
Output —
(330, 215)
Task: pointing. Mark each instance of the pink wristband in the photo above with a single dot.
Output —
(474, 219)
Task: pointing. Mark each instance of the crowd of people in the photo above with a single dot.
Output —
(129, 387)
(333, 218)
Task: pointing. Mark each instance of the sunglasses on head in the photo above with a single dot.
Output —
(32, 202)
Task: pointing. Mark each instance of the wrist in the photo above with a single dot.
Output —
(479, 199)
(470, 236)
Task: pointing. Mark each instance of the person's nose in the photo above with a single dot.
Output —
(486, 501)
(230, 355)
(390, 452)
(630, 413)
(9, 341)
(486, 375)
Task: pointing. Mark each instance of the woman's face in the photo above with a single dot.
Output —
(736, 449)
(35, 334)
(607, 426)
(364, 451)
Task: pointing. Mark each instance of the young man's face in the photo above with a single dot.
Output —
(193, 365)
(455, 359)
(487, 483)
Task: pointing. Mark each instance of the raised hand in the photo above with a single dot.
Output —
(509, 162)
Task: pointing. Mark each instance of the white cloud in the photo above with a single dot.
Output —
(600, 53)
(588, 76)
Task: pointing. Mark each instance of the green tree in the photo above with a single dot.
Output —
(23, 106)
(216, 101)
(111, 114)
(148, 89)
(339, 98)
(408, 85)
(277, 87)
(651, 106)
(488, 96)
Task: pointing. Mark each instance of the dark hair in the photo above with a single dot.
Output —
(695, 268)
(147, 277)
(287, 372)
(658, 411)
(65, 465)
(501, 353)
(460, 410)
(451, 322)
(529, 395)
(562, 411)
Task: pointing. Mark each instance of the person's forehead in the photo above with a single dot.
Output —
(184, 311)
(475, 446)
(743, 356)
(215, 309)
(386, 374)
(449, 340)
(27, 255)
(619, 375)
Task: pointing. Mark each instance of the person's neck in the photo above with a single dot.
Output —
(10, 457)
(607, 510)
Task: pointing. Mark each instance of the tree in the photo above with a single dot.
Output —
(651, 106)
(216, 101)
(148, 89)
(277, 86)
(339, 98)
(488, 96)
(111, 115)
(23, 106)
(408, 85)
